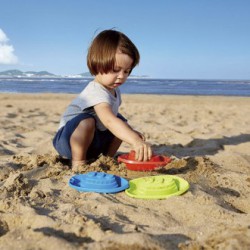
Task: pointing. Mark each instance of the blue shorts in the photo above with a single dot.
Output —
(100, 143)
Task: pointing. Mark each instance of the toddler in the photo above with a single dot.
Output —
(91, 124)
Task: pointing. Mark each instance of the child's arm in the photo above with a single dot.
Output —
(122, 130)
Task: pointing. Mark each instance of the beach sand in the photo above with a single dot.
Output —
(208, 139)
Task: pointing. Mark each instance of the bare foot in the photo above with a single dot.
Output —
(77, 165)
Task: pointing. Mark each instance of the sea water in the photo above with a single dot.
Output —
(132, 86)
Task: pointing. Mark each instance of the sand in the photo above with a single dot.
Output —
(208, 139)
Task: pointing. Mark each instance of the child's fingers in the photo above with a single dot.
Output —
(140, 153)
(143, 152)
(150, 153)
(147, 152)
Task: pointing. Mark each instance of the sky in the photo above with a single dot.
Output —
(177, 39)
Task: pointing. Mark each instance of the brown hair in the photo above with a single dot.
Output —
(102, 51)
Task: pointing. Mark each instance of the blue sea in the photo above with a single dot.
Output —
(132, 86)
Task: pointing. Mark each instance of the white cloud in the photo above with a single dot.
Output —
(3, 37)
(7, 55)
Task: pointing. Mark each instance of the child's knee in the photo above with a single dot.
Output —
(84, 130)
(87, 125)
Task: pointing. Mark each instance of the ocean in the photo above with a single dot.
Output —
(132, 86)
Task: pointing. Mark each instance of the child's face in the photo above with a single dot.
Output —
(119, 74)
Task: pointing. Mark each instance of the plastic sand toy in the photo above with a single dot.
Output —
(155, 162)
(98, 182)
(157, 187)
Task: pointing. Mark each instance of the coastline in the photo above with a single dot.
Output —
(132, 86)
(208, 138)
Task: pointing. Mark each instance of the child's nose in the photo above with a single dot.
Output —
(121, 75)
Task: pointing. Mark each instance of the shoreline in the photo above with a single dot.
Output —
(207, 137)
(126, 94)
(133, 86)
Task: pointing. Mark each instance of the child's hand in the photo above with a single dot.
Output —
(143, 151)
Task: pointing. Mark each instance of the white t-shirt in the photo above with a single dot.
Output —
(93, 94)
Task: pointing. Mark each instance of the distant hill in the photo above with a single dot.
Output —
(13, 72)
(19, 73)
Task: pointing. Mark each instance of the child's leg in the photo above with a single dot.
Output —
(114, 146)
(80, 141)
